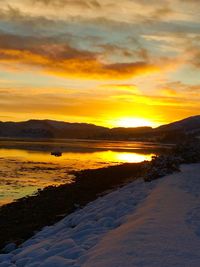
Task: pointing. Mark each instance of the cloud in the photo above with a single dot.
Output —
(125, 51)
(180, 89)
(194, 59)
(95, 69)
(126, 11)
(59, 58)
(62, 3)
(75, 67)
(121, 87)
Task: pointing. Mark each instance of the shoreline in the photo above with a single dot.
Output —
(21, 219)
(133, 225)
(24, 166)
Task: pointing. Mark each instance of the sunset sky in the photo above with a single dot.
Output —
(108, 62)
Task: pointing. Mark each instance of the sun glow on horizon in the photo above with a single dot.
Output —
(135, 122)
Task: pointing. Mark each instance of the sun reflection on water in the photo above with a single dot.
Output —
(133, 157)
(122, 157)
(23, 171)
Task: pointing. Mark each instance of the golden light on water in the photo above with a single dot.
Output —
(24, 171)
(87, 159)
(123, 157)
(133, 157)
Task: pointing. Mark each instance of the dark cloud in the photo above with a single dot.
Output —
(125, 52)
(62, 59)
(195, 58)
(161, 13)
(183, 87)
(63, 3)
(16, 21)
(45, 46)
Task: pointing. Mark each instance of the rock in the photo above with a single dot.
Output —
(161, 166)
(9, 247)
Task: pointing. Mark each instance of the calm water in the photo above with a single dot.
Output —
(28, 166)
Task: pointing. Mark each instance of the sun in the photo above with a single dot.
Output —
(134, 122)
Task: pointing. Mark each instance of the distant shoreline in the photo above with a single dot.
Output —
(50, 140)
(64, 143)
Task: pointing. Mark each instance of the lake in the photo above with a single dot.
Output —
(26, 166)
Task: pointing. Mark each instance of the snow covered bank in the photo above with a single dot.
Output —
(164, 230)
(142, 224)
(68, 241)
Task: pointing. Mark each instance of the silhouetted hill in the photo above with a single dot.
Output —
(126, 133)
(179, 130)
(59, 129)
(172, 132)
(190, 124)
(48, 129)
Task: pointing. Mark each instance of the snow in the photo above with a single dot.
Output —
(141, 224)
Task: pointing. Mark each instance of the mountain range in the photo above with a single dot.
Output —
(58, 129)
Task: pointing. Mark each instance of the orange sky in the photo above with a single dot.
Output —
(125, 63)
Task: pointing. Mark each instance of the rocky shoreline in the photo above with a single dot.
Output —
(21, 219)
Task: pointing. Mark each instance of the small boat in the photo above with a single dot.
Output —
(56, 153)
